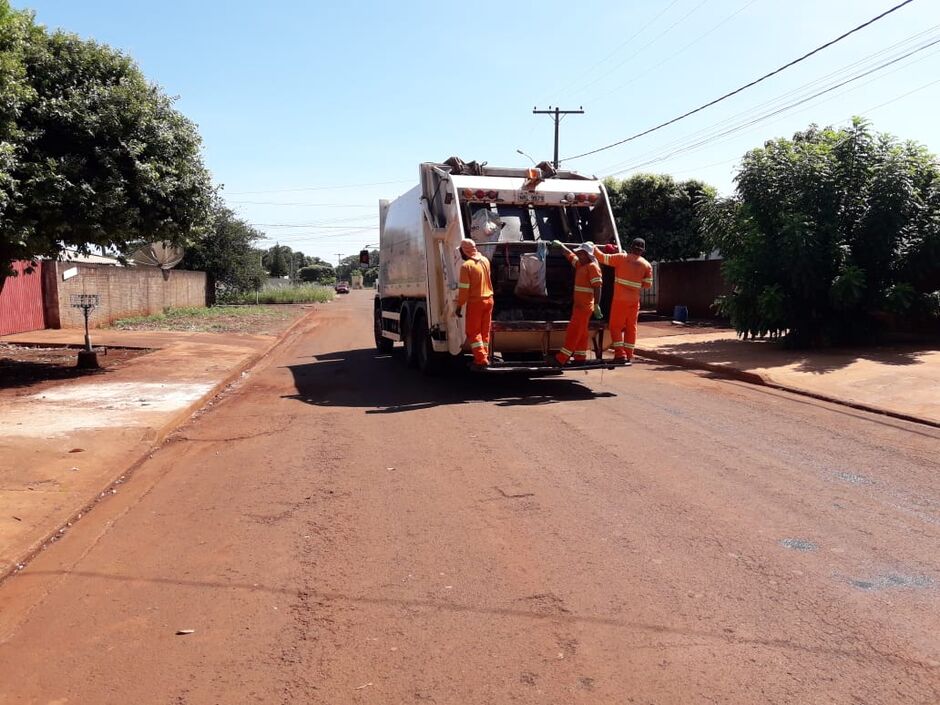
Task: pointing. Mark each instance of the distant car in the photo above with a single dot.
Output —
(342, 288)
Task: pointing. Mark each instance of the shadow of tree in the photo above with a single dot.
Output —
(755, 354)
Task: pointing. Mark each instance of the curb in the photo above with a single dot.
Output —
(153, 442)
(763, 381)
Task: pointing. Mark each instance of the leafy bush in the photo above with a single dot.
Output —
(828, 232)
(664, 212)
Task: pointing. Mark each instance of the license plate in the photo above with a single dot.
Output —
(530, 197)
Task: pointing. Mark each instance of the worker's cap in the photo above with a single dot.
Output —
(587, 247)
(468, 247)
(639, 243)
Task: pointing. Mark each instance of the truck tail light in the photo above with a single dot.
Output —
(592, 198)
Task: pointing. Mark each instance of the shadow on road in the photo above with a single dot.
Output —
(383, 385)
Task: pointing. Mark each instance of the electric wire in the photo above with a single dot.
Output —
(744, 87)
(832, 81)
(711, 138)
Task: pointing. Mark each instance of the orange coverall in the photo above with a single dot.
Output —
(632, 273)
(476, 292)
(586, 277)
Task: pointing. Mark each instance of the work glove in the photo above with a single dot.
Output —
(598, 314)
(557, 243)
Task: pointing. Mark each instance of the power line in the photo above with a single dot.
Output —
(322, 188)
(709, 136)
(925, 37)
(866, 111)
(637, 77)
(650, 43)
(745, 86)
(621, 45)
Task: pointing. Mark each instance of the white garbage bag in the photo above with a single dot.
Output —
(531, 276)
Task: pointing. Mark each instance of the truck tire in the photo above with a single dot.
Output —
(429, 362)
(407, 337)
(382, 344)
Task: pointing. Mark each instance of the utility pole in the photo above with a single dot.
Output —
(339, 258)
(557, 114)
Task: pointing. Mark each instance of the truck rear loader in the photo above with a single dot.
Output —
(513, 214)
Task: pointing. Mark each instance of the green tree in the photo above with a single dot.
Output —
(277, 260)
(350, 264)
(227, 254)
(92, 154)
(666, 213)
(828, 232)
(318, 272)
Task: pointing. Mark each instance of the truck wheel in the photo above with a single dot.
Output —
(407, 337)
(429, 362)
(382, 344)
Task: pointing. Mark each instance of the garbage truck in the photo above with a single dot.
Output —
(513, 214)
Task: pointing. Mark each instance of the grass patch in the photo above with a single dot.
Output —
(218, 319)
(302, 294)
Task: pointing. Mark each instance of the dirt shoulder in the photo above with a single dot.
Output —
(66, 441)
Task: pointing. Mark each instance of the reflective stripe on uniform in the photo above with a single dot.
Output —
(631, 346)
(618, 344)
(478, 345)
(597, 280)
(648, 280)
(627, 282)
(463, 286)
(580, 353)
(565, 351)
(586, 290)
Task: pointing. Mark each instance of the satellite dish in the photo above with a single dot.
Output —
(157, 254)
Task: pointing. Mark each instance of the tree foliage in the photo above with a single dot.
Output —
(316, 271)
(277, 260)
(90, 152)
(828, 232)
(226, 252)
(350, 264)
(664, 212)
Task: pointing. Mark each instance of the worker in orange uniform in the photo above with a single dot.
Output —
(632, 274)
(476, 293)
(587, 296)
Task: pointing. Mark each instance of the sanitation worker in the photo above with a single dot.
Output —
(476, 293)
(632, 273)
(587, 296)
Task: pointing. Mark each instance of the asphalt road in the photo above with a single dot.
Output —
(338, 529)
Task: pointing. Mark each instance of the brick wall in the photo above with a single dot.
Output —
(123, 292)
(695, 284)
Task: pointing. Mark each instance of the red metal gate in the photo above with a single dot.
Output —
(21, 304)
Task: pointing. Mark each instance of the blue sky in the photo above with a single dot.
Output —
(294, 98)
